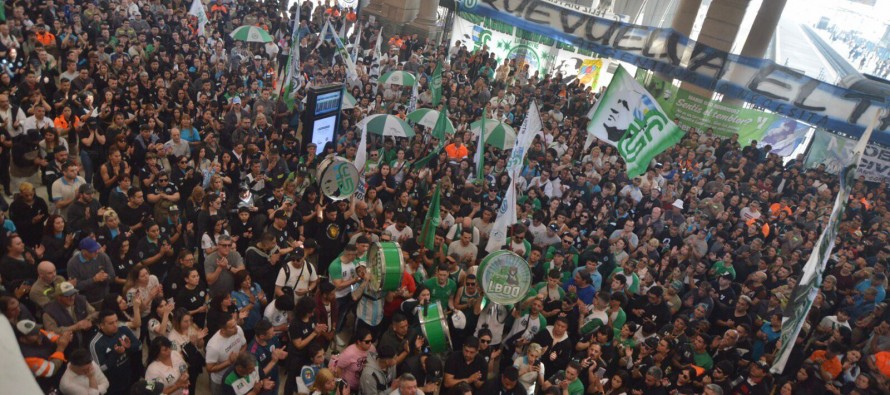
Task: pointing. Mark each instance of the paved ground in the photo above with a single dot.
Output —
(794, 49)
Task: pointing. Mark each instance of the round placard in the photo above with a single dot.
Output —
(505, 277)
(338, 178)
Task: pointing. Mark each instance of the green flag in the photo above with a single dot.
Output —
(431, 223)
(420, 163)
(629, 118)
(480, 149)
(441, 124)
(436, 85)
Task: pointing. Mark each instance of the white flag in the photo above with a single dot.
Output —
(361, 154)
(506, 218)
(322, 35)
(197, 10)
(531, 127)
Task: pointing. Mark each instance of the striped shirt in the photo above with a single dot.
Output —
(370, 307)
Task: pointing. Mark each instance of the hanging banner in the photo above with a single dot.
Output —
(589, 73)
(834, 151)
(761, 82)
(725, 119)
(540, 53)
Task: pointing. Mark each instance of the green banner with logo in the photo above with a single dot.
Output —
(702, 113)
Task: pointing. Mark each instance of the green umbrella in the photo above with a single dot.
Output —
(387, 125)
(497, 133)
(428, 117)
(251, 34)
(403, 78)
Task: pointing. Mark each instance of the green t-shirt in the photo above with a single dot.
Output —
(703, 360)
(576, 387)
(440, 293)
(241, 385)
(564, 269)
(721, 268)
(634, 286)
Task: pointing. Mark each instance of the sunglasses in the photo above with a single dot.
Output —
(486, 341)
(367, 341)
(469, 284)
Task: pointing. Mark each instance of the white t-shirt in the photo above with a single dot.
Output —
(166, 375)
(219, 348)
(275, 316)
(299, 279)
(397, 234)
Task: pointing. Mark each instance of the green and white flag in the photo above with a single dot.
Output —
(344, 54)
(630, 119)
(480, 150)
(798, 306)
(436, 85)
(433, 218)
(197, 10)
(294, 80)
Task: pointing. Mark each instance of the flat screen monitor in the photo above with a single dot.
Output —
(323, 131)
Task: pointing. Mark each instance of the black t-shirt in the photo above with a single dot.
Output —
(299, 330)
(458, 367)
(191, 299)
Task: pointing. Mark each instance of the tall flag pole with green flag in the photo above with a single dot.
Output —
(439, 133)
(480, 150)
(433, 218)
(294, 80)
(629, 118)
(798, 307)
(436, 85)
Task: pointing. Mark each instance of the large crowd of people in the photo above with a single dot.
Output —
(183, 239)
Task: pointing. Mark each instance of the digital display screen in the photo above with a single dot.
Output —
(323, 131)
(327, 102)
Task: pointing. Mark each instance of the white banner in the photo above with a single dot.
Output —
(834, 151)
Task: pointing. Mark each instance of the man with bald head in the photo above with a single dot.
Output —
(47, 279)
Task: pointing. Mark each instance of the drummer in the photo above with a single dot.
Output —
(441, 287)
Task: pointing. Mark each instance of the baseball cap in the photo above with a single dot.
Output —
(89, 244)
(386, 351)
(310, 243)
(143, 387)
(280, 215)
(554, 227)
(65, 289)
(27, 327)
(236, 100)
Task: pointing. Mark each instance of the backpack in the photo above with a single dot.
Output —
(286, 268)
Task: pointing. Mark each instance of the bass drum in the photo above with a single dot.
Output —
(435, 327)
(337, 178)
(385, 261)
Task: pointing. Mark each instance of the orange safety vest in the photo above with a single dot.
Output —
(46, 38)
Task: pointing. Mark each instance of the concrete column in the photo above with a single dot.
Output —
(393, 14)
(425, 23)
(761, 34)
(719, 30)
(684, 18)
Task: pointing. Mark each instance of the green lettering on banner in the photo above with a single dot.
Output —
(701, 113)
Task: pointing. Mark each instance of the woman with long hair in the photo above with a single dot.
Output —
(188, 341)
(326, 384)
(166, 366)
(217, 227)
(58, 245)
(249, 300)
(221, 309)
(159, 324)
(140, 282)
(192, 293)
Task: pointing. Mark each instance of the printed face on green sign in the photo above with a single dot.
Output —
(506, 277)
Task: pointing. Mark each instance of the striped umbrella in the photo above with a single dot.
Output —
(251, 34)
(497, 133)
(428, 117)
(403, 78)
(387, 125)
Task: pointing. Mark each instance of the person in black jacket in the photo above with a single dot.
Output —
(507, 384)
(557, 345)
